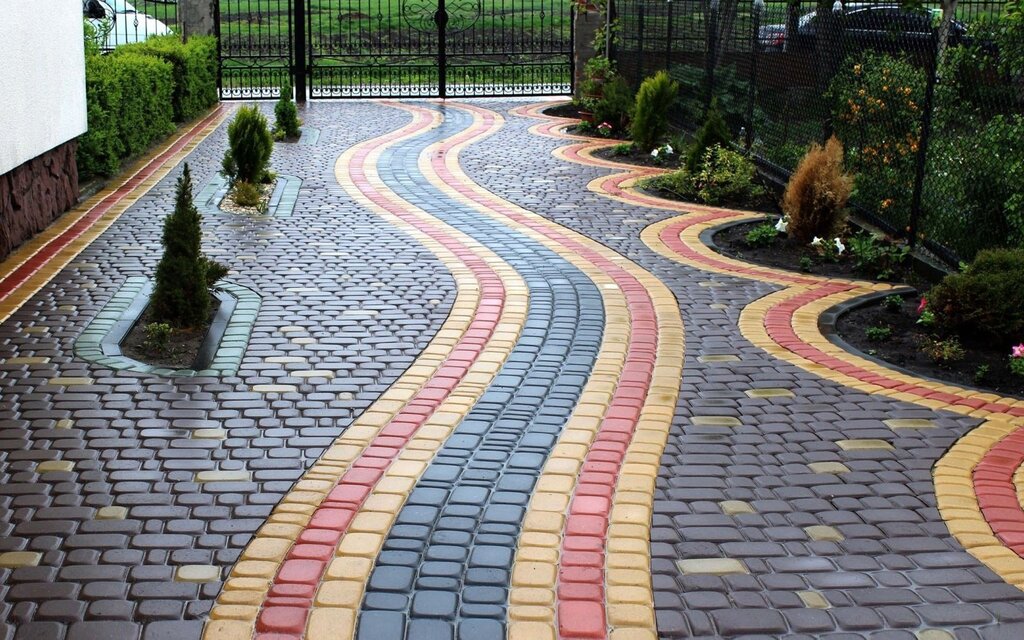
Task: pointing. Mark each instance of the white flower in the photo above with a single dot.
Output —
(816, 242)
(669, 150)
(782, 226)
(654, 153)
(840, 247)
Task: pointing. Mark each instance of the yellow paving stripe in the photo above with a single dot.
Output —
(532, 594)
(339, 596)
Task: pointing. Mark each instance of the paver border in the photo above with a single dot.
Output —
(281, 205)
(223, 347)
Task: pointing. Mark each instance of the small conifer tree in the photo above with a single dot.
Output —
(286, 116)
(650, 115)
(713, 131)
(181, 297)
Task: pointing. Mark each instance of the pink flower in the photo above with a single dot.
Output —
(924, 305)
(1018, 351)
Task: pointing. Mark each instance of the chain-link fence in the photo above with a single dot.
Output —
(929, 105)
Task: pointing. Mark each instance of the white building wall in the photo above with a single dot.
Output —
(42, 78)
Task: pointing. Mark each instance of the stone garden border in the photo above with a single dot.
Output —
(220, 354)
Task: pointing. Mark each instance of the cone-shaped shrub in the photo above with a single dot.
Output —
(650, 115)
(181, 297)
(713, 131)
(286, 115)
(250, 144)
(816, 196)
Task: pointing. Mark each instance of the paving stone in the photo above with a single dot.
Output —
(711, 566)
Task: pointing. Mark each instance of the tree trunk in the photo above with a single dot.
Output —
(948, 11)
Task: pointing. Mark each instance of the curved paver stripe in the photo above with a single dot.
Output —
(785, 325)
(625, 430)
(449, 555)
(336, 509)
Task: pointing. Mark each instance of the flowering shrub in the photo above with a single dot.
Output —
(876, 110)
(605, 129)
(1017, 360)
(723, 177)
(663, 154)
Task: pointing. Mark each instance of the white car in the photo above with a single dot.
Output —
(117, 22)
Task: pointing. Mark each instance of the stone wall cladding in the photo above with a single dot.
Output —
(35, 193)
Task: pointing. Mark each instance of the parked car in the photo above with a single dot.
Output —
(865, 26)
(117, 22)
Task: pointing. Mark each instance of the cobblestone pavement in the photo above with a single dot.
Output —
(465, 411)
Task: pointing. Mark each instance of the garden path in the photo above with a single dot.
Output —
(490, 391)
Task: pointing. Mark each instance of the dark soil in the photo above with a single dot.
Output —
(634, 156)
(563, 110)
(786, 254)
(903, 349)
(764, 204)
(183, 346)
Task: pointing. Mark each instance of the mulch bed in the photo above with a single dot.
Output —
(903, 349)
(786, 254)
(183, 346)
(634, 156)
(563, 110)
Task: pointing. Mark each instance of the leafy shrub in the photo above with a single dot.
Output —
(892, 303)
(878, 334)
(713, 132)
(286, 116)
(650, 115)
(249, 146)
(723, 177)
(622, 149)
(246, 194)
(876, 258)
(128, 99)
(158, 337)
(615, 106)
(986, 301)
(195, 70)
(943, 351)
(596, 72)
(817, 193)
(762, 235)
(181, 297)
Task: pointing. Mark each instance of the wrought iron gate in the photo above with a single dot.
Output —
(396, 48)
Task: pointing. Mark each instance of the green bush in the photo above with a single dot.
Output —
(246, 194)
(650, 114)
(181, 297)
(722, 177)
(286, 115)
(615, 105)
(985, 301)
(195, 70)
(128, 98)
(876, 258)
(249, 146)
(713, 132)
(763, 235)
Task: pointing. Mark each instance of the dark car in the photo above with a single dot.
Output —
(874, 26)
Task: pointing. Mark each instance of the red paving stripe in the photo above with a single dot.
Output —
(38, 260)
(290, 599)
(581, 601)
(670, 236)
(997, 493)
(778, 322)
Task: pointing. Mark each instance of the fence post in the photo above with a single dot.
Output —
(668, 37)
(711, 54)
(926, 131)
(754, 46)
(300, 54)
(640, 44)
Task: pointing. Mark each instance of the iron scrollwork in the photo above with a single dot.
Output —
(425, 16)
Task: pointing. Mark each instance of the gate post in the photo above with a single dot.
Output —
(198, 18)
(299, 50)
(441, 20)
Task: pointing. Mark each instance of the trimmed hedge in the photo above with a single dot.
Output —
(195, 70)
(129, 108)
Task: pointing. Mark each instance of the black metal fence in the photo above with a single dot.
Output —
(117, 22)
(930, 111)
